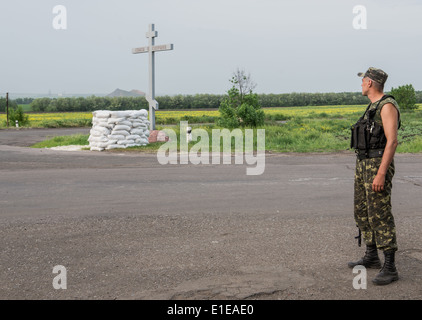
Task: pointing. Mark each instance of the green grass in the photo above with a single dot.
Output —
(76, 139)
(306, 132)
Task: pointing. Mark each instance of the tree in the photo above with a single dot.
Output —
(40, 104)
(405, 96)
(19, 115)
(243, 82)
(12, 104)
(241, 106)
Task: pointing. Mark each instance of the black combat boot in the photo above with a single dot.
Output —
(388, 272)
(370, 260)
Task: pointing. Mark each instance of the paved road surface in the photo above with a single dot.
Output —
(126, 227)
(23, 137)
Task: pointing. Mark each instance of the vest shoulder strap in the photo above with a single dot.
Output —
(372, 113)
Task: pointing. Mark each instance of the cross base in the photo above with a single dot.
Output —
(158, 136)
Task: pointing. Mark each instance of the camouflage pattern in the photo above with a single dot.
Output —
(372, 210)
(377, 117)
(375, 74)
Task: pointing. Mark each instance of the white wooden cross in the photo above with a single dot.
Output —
(151, 49)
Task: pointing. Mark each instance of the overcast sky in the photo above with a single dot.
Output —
(287, 46)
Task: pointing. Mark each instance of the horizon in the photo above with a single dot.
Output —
(71, 95)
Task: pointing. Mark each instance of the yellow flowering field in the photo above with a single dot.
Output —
(169, 115)
(39, 117)
(69, 119)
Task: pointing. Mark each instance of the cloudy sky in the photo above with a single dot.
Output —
(286, 46)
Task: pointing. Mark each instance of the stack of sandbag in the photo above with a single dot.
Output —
(118, 129)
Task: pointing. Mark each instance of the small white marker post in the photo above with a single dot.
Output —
(151, 49)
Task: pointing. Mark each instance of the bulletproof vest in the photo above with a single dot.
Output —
(368, 134)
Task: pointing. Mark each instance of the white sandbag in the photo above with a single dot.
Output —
(98, 139)
(137, 124)
(100, 120)
(138, 113)
(137, 131)
(99, 145)
(101, 114)
(143, 113)
(95, 133)
(117, 137)
(101, 130)
(133, 137)
(112, 142)
(124, 142)
(104, 144)
(141, 141)
(115, 120)
(120, 132)
(121, 127)
(118, 129)
(124, 123)
(103, 124)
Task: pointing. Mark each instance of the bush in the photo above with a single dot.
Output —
(405, 97)
(240, 108)
(19, 115)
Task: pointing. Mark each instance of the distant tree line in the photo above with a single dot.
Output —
(197, 101)
(24, 100)
(125, 103)
(12, 104)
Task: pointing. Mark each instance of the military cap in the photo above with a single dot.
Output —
(375, 74)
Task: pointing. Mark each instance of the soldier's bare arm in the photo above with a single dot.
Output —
(389, 116)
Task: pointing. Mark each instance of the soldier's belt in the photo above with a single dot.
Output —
(372, 153)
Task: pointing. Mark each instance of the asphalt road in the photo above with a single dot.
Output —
(126, 227)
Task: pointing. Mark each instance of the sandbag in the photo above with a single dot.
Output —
(118, 129)
(121, 127)
(120, 132)
(101, 114)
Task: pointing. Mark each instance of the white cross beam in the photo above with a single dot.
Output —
(151, 49)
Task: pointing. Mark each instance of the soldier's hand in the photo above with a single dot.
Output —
(378, 183)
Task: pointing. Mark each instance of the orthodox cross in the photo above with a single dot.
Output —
(151, 49)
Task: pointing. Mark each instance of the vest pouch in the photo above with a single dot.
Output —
(362, 134)
(377, 137)
(359, 132)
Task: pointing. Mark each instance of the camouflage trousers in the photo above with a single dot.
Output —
(372, 210)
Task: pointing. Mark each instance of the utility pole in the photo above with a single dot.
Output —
(7, 109)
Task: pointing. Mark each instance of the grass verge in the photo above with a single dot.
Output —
(75, 139)
(300, 129)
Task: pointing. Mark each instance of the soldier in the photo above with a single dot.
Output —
(374, 137)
